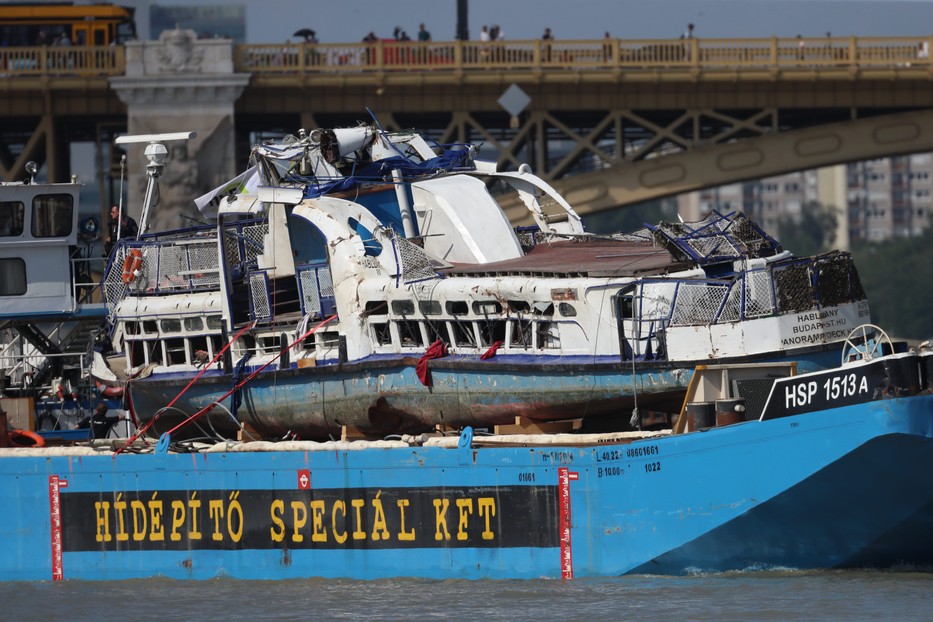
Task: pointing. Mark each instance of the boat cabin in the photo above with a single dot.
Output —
(38, 239)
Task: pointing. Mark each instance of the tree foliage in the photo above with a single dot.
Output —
(898, 278)
(812, 231)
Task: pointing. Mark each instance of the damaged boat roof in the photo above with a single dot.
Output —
(580, 258)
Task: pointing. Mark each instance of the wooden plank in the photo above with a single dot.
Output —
(524, 425)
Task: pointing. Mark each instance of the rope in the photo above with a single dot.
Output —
(237, 387)
(140, 431)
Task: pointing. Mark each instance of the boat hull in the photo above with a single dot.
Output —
(385, 396)
(843, 487)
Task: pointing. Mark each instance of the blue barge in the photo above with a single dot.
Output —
(835, 470)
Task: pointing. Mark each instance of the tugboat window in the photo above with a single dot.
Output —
(52, 215)
(12, 277)
(12, 214)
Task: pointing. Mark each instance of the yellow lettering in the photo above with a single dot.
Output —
(194, 505)
(487, 509)
(404, 536)
(380, 532)
(276, 510)
(440, 519)
(119, 506)
(235, 508)
(140, 522)
(157, 532)
(215, 509)
(178, 519)
(102, 509)
(299, 520)
(464, 509)
(340, 537)
(317, 522)
(358, 533)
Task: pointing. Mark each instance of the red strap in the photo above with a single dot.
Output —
(140, 431)
(437, 350)
(491, 352)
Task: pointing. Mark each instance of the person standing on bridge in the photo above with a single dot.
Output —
(547, 37)
(423, 34)
(687, 37)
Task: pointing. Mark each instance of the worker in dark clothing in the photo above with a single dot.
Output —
(119, 228)
(100, 422)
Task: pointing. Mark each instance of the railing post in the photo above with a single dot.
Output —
(695, 52)
(853, 52)
(458, 55)
(774, 52)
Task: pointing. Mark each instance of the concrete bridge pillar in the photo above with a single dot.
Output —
(176, 84)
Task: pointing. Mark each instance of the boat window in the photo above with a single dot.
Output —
(519, 306)
(151, 327)
(547, 336)
(462, 334)
(12, 214)
(487, 307)
(520, 334)
(437, 330)
(543, 308)
(457, 307)
(490, 332)
(215, 322)
(382, 334)
(199, 345)
(171, 326)
(409, 334)
(376, 307)
(131, 328)
(328, 339)
(403, 307)
(567, 310)
(52, 215)
(175, 349)
(429, 307)
(194, 323)
(12, 277)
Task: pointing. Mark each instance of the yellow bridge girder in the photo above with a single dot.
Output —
(753, 158)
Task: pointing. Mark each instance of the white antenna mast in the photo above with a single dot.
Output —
(156, 154)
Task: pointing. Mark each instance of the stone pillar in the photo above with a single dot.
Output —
(833, 193)
(177, 84)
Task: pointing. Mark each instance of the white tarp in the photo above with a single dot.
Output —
(244, 183)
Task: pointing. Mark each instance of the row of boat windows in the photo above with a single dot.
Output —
(200, 349)
(173, 325)
(457, 308)
(525, 334)
(51, 216)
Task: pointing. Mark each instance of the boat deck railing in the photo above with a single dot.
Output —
(734, 56)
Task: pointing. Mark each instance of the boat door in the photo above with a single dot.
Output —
(640, 328)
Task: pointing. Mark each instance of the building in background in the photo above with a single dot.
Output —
(224, 21)
(875, 200)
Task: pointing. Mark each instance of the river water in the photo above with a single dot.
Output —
(782, 596)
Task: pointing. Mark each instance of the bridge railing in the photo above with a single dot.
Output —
(531, 55)
(76, 60)
(600, 54)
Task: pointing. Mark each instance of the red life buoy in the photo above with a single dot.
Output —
(109, 391)
(25, 438)
(132, 263)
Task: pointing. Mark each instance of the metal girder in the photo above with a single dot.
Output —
(764, 155)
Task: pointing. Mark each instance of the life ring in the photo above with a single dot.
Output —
(132, 263)
(109, 391)
(25, 438)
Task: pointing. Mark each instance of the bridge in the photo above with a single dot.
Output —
(609, 122)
